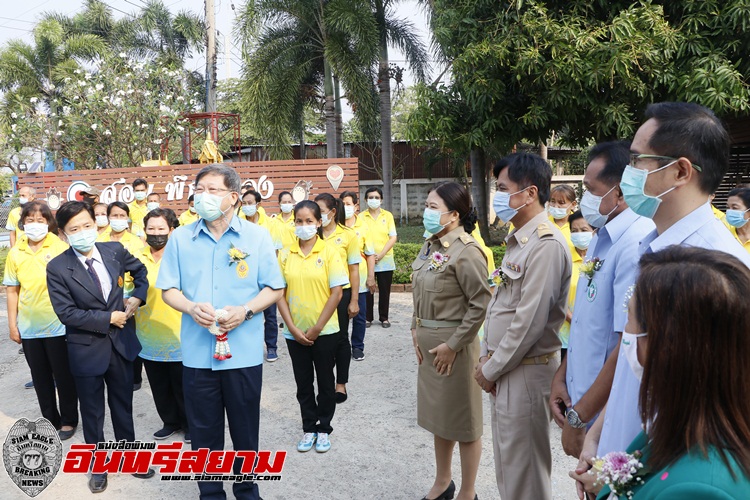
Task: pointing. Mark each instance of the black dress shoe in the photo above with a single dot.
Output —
(66, 434)
(146, 475)
(136, 387)
(98, 483)
(341, 397)
(448, 494)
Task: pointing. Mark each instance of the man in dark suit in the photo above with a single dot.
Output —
(86, 289)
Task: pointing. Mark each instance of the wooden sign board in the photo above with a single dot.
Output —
(305, 179)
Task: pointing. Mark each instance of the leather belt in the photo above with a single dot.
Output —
(431, 323)
(534, 360)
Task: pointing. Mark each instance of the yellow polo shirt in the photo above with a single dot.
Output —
(309, 279)
(132, 244)
(137, 213)
(13, 219)
(346, 241)
(156, 324)
(381, 229)
(565, 230)
(187, 217)
(487, 252)
(270, 225)
(289, 222)
(365, 249)
(722, 217)
(745, 244)
(564, 333)
(27, 269)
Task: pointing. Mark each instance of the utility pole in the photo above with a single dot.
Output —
(210, 57)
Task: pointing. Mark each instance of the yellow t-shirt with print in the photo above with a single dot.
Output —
(27, 269)
(187, 217)
(156, 324)
(381, 229)
(746, 244)
(14, 217)
(309, 279)
(346, 242)
(132, 244)
(137, 213)
(270, 225)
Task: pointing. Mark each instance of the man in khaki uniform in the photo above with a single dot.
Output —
(521, 350)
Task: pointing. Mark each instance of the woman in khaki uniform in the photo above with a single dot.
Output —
(451, 294)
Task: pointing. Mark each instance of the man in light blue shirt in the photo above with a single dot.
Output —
(221, 262)
(678, 157)
(581, 385)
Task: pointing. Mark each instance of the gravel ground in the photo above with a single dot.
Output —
(378, 451)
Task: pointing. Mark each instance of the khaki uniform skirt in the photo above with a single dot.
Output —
(449, 406)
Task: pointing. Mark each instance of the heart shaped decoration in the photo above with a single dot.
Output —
(335, 175)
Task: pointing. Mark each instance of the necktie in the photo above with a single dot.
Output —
(94, 276)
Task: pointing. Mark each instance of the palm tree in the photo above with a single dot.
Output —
(292, 49)
(398, 33)
(169, 38)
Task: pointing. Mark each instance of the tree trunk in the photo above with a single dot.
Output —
(302, 148)
(330, 110)
(479, 190)
(386, 145)
(543, 150)
(339, 118)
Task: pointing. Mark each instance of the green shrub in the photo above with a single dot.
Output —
(404, 254)
(3, 256)
(498, 253)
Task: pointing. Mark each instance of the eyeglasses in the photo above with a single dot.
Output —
(634, 157)
(200, 190)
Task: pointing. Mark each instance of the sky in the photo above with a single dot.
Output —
(17, 19)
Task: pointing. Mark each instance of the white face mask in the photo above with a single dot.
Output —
(349, 211)
(35, 231)
(249, 210)
(102, 221)
(193, 210)
(305, 232)
(287, 208)
(373, 203)
(629, 346)
(152, 205)
(118, 225)
(326, 218)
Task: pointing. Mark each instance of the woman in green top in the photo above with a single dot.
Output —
(695, 377)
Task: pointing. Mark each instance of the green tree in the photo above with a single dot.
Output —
(587, 69)
(292, 51)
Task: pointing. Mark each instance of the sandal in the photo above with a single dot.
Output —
(385, 324)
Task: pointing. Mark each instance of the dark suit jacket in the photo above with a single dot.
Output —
(81, 307)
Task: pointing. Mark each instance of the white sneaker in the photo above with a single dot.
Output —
(307, 441)
(323, 444)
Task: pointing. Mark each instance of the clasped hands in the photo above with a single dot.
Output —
(119, 318)
(204, 314)
(487, 385)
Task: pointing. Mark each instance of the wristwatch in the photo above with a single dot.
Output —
(574, 420)
(248, 313)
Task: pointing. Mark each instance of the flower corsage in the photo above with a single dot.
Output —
(497, 278)
(620, 471)
(437, 261)
(236, 255)
(590, 267)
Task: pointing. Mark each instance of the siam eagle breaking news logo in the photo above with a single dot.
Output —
(174, 463)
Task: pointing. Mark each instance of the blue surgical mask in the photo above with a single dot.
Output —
(557, 213)
(373, 203)
(209, 205)
(305, 232)
(581, 240)
(249, 210)
(83, 240)
(140, 195)
(118, 225)
(590, 204)
(501, 205)
(633, 185)
(736, 218)
(192, 209)
(431, 220)
(152, 205)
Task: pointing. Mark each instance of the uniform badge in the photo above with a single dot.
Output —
(242, 269)
(591, 291)
(120, 282)
(319, 262)
(516, 268)
(32, 454)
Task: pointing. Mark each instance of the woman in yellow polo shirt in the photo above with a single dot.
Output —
(100, 214)
(286, 205)
(346, 241)
(738, 213)
(158, 328)
(562, 203)
(32, 321)
(314, 274)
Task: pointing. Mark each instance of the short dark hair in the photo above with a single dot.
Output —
(575, 216)
(457, 199)
(191, 198)
(120, 205)
(255, 194)
(741, 193)
(333, 203)
(349, 194)
(374, 189)
(310, 205)
(140, 182)
(165, 213)
(281, 195)
(695, 132)
(526, 169)
(70, 209)
(616, 156)
(696, 364)
(38, 206)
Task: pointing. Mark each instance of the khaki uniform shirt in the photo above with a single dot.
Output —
(456, 291)
(526, 312)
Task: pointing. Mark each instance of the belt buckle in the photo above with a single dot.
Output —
(419, 322)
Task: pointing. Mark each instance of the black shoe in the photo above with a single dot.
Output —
(66, 434)
(187, 437)
(136, 387)
(368, 324)
(98, 483)
(20, 351)
(29, 385)
(341, 397)
(387, 324)
(165, 432)
(448, 494)
(149, 474)
(358, 354)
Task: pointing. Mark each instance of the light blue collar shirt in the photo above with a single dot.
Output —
(701, 229)
(199, 265)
